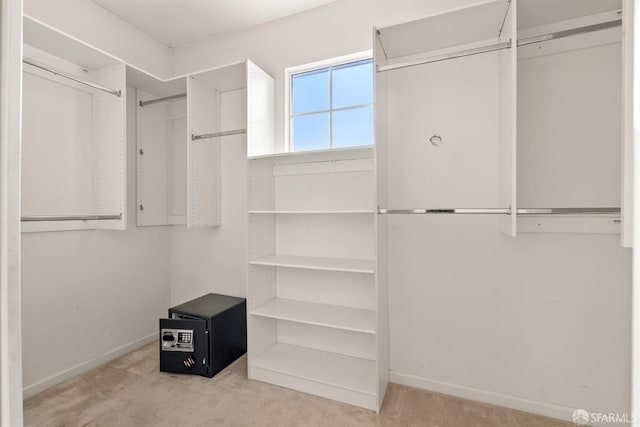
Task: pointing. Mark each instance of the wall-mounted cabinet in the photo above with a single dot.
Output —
(315, 322)
(180, 126)
(73, 138)
(515, 106)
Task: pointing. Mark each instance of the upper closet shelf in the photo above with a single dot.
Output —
(318, 263)
(155, 86)
(602, 21)
(41, 36)
(453, 28)
(534, 13)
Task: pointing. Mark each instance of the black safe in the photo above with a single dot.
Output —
(203, 336)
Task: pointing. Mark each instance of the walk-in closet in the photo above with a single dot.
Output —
(319, 212)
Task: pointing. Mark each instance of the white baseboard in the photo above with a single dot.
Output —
(513, 402)
(56, 379)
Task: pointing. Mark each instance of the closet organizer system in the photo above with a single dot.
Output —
(181, 124)
(317, 299)
(74, 135)
(547, 102)
(316, 311)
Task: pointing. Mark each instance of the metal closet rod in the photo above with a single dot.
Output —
(218, 134)
(40, 218)
(504, 211)
(505, 45)
(70, 76)
(165, 98)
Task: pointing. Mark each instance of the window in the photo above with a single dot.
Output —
(331, 106)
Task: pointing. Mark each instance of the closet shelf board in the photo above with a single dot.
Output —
(327, 315)
(333, 369)
(318, 263)
(321, 212)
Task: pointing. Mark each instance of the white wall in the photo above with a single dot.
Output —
(90, 295)
(214, 259)
(540, 318)
(92, 24)
(540, 322)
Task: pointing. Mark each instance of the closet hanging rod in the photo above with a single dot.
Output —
(218, 134)
(165, 98)
(504, 45)
(505, 211)
(69, 218)
(70, 76)
(446, 57)
(568, 211)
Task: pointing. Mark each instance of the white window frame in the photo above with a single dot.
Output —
(288, 74)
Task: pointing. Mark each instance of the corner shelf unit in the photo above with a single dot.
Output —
(74, 150)
(181, 126)
(314, 322)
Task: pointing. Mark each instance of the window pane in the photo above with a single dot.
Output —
(310, 91)
(311, 132)
(353, 128)
(353, 84)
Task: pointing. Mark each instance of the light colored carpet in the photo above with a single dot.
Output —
(130, 391)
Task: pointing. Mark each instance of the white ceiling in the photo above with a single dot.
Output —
(175, 22)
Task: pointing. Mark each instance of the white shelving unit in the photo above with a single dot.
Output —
(179, 170)
(314, 319)
(540, 94)
(74, 134)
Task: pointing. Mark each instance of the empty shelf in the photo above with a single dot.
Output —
(318, 263)
(323, 367)
(311, 211)
(332, 316)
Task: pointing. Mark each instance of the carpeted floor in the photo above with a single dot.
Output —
(130, 391)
